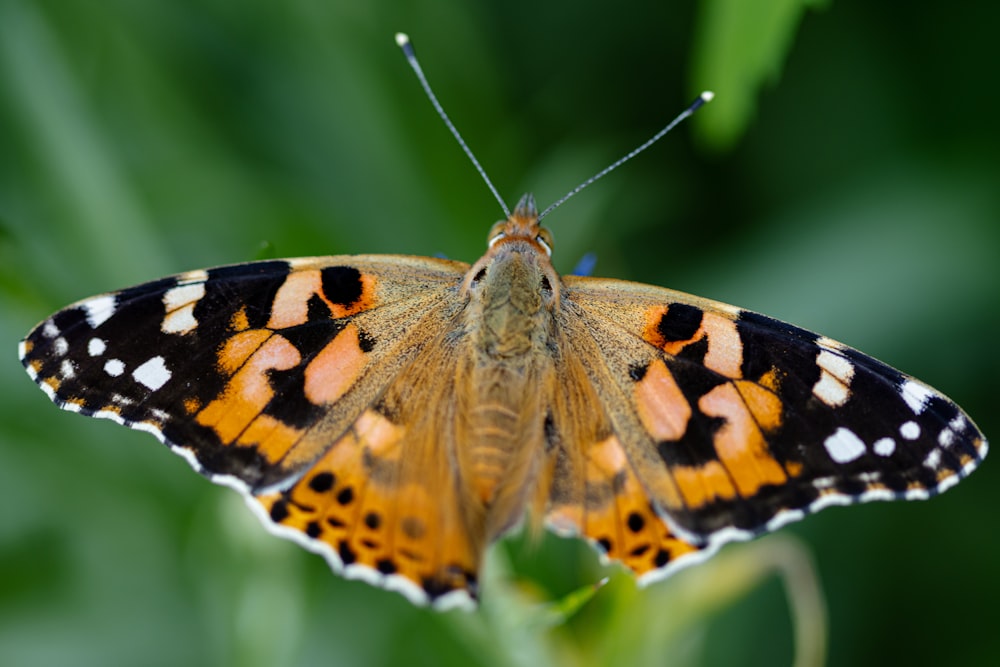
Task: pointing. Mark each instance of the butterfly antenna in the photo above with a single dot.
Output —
(404, 43)
(704, 97)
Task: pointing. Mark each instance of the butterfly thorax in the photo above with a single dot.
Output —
(512, 293)
(510, 307)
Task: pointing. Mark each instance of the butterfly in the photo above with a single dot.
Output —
(398, 414)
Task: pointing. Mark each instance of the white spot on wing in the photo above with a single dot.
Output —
(946, 437)
(50, 392)
(876, 494)
(829, 343)
(984, 449)
(66, 369)
(198, 275)
(830, 500)
(180, 321)
(96, 347)
(50, 330)
(114, 367)
(151, 428)
(99, 309)
(933, 459)
(824, 482)
(833, 386)
(22, 352)
(179, 303)
(187, 455)
(61, 346)
(884, 446)
(123, 401)
(830, 390)
(910, 430)
(783, 518)
(152, 373)
(835, 365)
(844, 446)
(957, 424)
(111, 415)
(916, 395)
(715, 541)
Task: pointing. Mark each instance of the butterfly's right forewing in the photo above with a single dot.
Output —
(736, 423)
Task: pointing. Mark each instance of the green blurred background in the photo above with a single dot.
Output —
(845, 179)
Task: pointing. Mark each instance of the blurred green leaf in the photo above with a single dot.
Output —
(112, 231)
(741, 46)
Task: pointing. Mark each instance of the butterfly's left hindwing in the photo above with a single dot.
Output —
(740, 422)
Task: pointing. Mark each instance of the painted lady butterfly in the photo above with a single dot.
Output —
(398, 414)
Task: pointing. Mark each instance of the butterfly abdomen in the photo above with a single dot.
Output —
(499, 437)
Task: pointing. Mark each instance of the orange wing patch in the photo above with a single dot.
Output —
(336, 368)
(701, 485)
(741, 463)
(660, 404)
(361, 500)
(239, 407)
(676, 326)
(740, 442)
(616, 513)
(344, 290)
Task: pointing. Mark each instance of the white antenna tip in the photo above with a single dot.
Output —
(402, 39)
(706, 96)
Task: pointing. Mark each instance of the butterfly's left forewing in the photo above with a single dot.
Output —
(735, 423)
(246, 370)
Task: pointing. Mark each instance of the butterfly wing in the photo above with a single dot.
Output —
(253, 372)
(590, 486)
(306, 385)
(735, 423)
(387, 499)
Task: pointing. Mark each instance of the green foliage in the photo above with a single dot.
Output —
(740, 47)
(854, 195)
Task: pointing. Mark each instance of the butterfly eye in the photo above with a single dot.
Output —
(496, 232)
(544, 239)
(542, 242)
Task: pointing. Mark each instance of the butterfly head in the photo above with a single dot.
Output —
(518, 255)
(522, 225)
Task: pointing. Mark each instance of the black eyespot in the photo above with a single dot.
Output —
(479, 276)
(546, 285)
